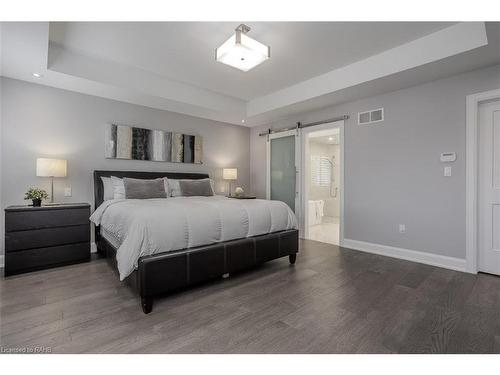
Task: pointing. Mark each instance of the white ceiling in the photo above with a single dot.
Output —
(171, 65)
(184, 51)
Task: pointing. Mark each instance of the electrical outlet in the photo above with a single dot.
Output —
(67, 191)
(402, 228)
(447, 171)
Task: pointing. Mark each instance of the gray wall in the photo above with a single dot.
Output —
(392, 169)
(38, 121)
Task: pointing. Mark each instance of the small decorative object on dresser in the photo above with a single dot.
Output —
(36, 195)
(238, 191)
(43, 237)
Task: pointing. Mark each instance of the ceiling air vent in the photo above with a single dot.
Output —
(370, 117)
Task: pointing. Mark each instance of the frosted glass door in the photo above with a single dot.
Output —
(282, 170)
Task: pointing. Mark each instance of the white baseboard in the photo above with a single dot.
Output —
(451, 263)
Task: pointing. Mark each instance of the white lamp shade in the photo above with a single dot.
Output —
(51, 167)
(230, 173)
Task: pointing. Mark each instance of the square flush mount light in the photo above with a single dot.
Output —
(242, 52)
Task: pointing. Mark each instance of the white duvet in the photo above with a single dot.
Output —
(149, 226)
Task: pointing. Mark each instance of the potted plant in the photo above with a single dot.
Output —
(36, 195)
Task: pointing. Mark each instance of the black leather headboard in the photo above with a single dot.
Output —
(99, 189)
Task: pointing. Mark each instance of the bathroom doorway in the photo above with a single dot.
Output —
(322, 183)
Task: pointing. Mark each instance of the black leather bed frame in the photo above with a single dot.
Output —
(165, 272)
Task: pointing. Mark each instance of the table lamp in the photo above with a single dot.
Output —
(230, 174)
(51, 168)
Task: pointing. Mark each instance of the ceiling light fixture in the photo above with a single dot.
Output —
(37, 75)
(242, 121)
(242, 52)
(330, 139)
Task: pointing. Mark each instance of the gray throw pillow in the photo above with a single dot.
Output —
(108, 188)
(136, 188)
(198, 188)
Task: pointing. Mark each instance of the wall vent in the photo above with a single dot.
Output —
(370, 117)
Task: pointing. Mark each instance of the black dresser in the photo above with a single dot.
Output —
(43, 237)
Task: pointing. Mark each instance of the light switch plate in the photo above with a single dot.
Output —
(447, 171)
(402, 228)
(67, 192)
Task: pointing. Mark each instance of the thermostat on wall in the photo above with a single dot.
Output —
(448, 156)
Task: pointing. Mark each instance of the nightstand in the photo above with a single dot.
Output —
(48, 236)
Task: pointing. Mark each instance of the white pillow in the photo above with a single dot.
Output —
(174, 187)
(108, 188)
(212, 185)
(118, 188)
(167, 187)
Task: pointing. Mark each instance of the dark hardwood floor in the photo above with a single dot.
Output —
(332, 301)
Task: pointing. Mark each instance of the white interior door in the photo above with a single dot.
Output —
(282, 172)
(489, 188)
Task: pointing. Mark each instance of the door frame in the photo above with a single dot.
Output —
(471, 172)
(304, 132)
(281, 134)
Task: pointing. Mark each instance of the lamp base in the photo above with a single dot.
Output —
(52, 190)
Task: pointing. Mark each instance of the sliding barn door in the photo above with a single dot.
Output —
(282, 174)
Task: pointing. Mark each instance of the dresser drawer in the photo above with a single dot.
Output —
(37, 219)
(29, 239)
(34, 259)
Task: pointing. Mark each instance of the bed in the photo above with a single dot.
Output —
(189, 240)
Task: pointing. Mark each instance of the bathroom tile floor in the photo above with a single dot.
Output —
(327, 231)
